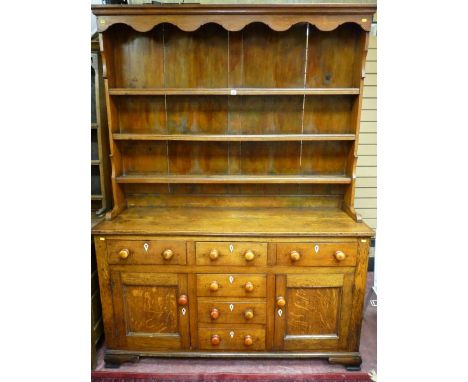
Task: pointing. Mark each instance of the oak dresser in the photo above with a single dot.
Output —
(233, 136)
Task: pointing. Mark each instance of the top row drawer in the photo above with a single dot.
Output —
(231, 253)
(236, 253)
(146, 252)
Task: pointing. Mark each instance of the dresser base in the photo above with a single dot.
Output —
(351, 360)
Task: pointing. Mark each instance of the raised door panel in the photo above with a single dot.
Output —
(147, 315)
(316, 313)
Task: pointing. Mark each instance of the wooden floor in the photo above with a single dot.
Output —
(233, 221)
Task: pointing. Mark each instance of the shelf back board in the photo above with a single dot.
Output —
(255, 101)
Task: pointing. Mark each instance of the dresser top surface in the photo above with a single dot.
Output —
(233, 222)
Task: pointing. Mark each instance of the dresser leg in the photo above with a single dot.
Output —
(351, 362)
(353, 368)
(113, 361)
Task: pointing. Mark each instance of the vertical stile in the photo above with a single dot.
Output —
(165, 103)
(304, 97)
(360, 69)
(113, 125)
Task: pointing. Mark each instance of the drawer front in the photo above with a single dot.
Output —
(231, 285)
(235, 253)
(146, 252)
(233, 311)
(231, 338)
(316, 254)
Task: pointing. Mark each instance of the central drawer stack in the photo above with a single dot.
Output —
(231, 306)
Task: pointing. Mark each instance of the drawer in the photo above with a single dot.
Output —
(235, 253)
(213, 338)
(146, 252)
(316, 254)
(232, 311)
(231, 285)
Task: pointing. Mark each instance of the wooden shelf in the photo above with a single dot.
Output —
(232, 91)
(234, 137)
(234, 222)
(95, 162)
(96, 197)
(233, 179)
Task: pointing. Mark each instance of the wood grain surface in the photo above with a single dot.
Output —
(232, 221)
(234, 138)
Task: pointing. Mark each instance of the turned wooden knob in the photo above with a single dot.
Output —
(339, 255)
(248, 340)
(249, 255)
(214, 314)
(214, 286)
(167, 254)
(248, 314)
(280, 301)
(249, 287)
(124, 253)
(214, 254)
(215, 340)
(183, 299)
(295, 256)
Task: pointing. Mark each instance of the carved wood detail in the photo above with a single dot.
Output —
(325, 17)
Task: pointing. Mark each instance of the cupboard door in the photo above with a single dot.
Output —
(148, 315)
(313, 311)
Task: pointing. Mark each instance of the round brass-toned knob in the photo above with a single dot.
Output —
(214, 314)
(215, 340)
(249, 255)
(339, 255)
(249, 287)
(214, 254)
(295, 256)
(248, 314)
(167, 254)
(124, 253)
(248, 340)
(214, 286)
(183, 299)
(280, 301)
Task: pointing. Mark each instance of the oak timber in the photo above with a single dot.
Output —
(234, 231)
(234, 221)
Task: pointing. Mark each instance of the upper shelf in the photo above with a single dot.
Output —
(232, 91)
(234, 17)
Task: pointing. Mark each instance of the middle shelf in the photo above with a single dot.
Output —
(233, 137)
(233, 179)
(232, 91)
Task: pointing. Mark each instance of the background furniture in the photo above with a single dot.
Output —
(97, 330)
(100, 175)
(100, 184)
(233, 137)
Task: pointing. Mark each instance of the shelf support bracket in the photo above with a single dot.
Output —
(352, 213)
